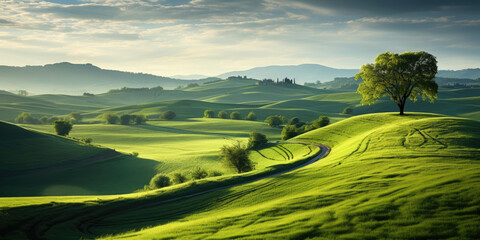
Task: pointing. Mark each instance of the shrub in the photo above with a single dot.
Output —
(215, 174)
(257, 140)
(125, 119)
(44, 120)
(236, 157)
(288, 132)
(76, 117)
(168, 115)
(223, 115)
(208, 114)
(86, 140)
(251, 116)
(321, 122)
(27, 118)
(62, 127)
(139, 119)
(274, 120)
(199, 173)
(178, 178)
(347, 110)
(135, 154)
(235, 115)
(110, 118)
(159, 181)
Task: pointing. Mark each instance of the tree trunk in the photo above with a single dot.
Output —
(401, 106)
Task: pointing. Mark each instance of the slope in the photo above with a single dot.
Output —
(35, 163)
(410, 177)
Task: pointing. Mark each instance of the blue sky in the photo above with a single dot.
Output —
(210, 37)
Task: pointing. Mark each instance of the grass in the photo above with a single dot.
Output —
(387, 176)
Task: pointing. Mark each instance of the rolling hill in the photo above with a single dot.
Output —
(387, 176)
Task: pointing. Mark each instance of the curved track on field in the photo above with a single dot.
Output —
(38, 229)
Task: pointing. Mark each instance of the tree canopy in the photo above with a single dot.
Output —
(400, 76)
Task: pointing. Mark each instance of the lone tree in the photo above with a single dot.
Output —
(236, 157)
(223, 115)
(251, 116)
(62, 127)
(168, 115)
(235, 115)
(401, 76)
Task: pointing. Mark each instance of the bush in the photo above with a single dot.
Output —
(135, 154)
(168, 115)
(159, 181)
(296, 121)
(139, 119)
(251, 116)
(208, 114)
(257, 140)
(110, 118)
(215, 174)
(321, 122)
(27, 118)
(178, 178)
(76, 117)
(274, 120)
(223, 115)
(235, 115)
(288, 132)
(347, 110)
(199, 173)
(44, 120)
(86, 140)
(62, 127)
(125, 119)
(236, 157)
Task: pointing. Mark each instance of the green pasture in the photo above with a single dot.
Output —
(386, 177)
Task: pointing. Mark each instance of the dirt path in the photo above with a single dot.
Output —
(39, 228)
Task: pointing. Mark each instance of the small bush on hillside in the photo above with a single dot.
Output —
(159, 181)
(86, 140)
(296, 121)
(139, 119)
(168, 115)
(235, 156)
(27, 118)
(208, 114)
(235, 115)
(178, 178)
(223, 115)
(274, 120)
(76, 117)
(347, 110)
(251, 116)
(215, 173)
(257, 140)
(110, 118)
(62, 127)
(199, 173)
(135, 154)
(322, 121)
(125, 119)
(43, 120)
(288, 132)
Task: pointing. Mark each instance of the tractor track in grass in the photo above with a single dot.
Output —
(40, 227)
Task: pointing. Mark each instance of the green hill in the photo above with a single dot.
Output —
(387, 176)
(35, 163)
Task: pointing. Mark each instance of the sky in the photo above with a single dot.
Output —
(210, 37)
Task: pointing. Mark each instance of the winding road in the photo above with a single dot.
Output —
(38, 229)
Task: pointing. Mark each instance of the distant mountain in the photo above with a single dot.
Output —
(302, 73)
(71, 78)
(471, 73)
(189, 77)
(314, 72)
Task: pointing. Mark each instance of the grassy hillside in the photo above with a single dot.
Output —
(410, 177)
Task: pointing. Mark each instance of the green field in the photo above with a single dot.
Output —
(387, 176)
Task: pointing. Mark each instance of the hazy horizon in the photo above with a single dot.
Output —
(208, 37)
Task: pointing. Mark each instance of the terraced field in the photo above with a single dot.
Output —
(387, 176)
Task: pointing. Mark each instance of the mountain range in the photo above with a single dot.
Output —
(71, 78)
